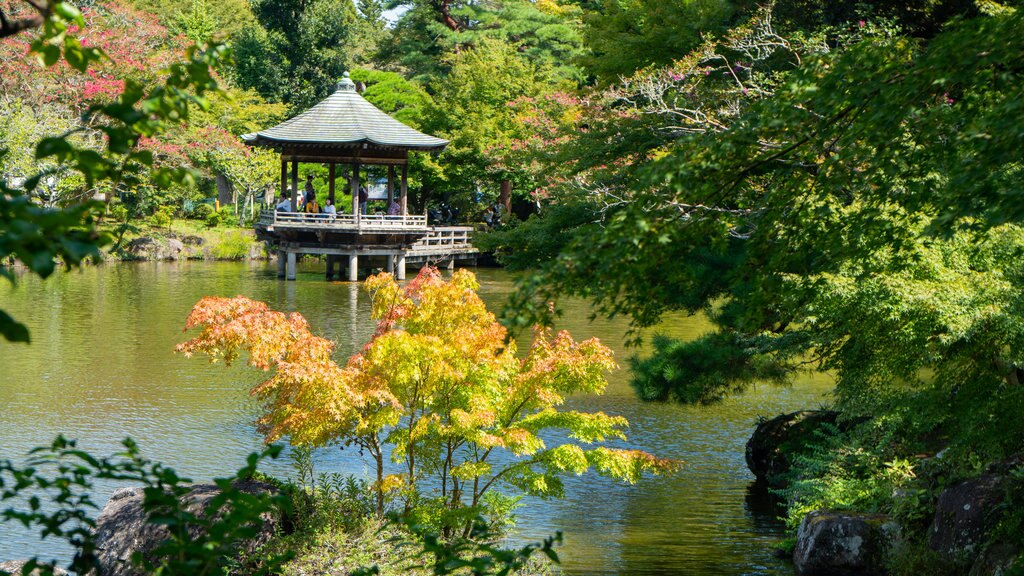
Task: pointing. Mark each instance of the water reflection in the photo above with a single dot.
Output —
(101, 367)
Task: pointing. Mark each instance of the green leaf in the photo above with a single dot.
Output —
(53, 146)
(69, 12)
(50, 54)
(12, 330)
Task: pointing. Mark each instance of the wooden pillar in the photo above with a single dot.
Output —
(295, 186)
(284, 176)
(290, 269)
(330, 183)
(400, 266)
(280, 263)
(353, 185)
(391, 264)
(451, 263)
(405, 189)
(353, 268)
(330, 267)
(391, 185)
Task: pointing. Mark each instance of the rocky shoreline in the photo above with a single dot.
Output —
(171, 247)
(850, 543)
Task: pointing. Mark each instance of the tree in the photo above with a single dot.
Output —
(440, 385)
(37, 236)
(250, 170)
(298, 51)
(857, 213)
(624, 36)
(544, 33)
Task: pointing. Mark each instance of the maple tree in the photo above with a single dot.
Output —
(438, 389)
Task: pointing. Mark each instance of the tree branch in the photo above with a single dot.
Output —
(10, 27)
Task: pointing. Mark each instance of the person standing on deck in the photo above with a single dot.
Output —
(310, 193)
(364, 196)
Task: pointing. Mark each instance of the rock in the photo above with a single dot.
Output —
(773, 442)
(121, 529)
(173, 249)
(194, 240)
(844, 543)
(964, 516)
(15, 567)
(996, 560)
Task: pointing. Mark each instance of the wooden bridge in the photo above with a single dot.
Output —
(352, 241)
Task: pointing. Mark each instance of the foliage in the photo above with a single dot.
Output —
(37, 236)
(56, 483)
(439, 384)
(546, 34)
(705, 370)
(297, 51)
(233, 245)
(222, 18)
(473, 555)
(623, 36)
(530, 244)
(471, 109)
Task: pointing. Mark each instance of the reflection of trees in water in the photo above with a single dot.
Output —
(764, 508)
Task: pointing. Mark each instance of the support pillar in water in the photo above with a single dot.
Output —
(290, 266)
(353, 268)
(400, 267)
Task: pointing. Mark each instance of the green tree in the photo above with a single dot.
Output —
(623, 36)
(438, 384)
(857, 214)
(545, 33)
(298, 51)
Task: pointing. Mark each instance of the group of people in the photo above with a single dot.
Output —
(308, 204)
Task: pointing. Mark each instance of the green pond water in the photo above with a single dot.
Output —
(101, 367)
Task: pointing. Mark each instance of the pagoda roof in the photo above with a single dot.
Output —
(345, 120)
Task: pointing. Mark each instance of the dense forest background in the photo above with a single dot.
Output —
(836, 185)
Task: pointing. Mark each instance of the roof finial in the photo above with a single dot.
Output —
(346, 84)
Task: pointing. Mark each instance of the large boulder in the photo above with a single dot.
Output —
(965, 515)
(15, 567)
(844, 543)
(774, 442)
(148, 248)
(121, 528)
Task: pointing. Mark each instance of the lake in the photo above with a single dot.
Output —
(101, 367)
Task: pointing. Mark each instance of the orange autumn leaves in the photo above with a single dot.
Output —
(439, 389)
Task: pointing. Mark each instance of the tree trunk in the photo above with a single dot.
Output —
(505, 197)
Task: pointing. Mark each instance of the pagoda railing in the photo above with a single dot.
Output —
(270, 219)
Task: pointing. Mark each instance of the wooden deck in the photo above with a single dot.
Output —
(272, 220)
(373, 241)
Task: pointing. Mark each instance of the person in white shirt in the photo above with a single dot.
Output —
(285, 205)
(330, 210)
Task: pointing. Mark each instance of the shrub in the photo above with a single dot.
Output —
(202, 211)
(233, 245)
(161, 218)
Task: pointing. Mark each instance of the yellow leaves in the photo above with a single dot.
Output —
(437, 382)
(471, 470)
(629, 465)
(568, 458)
(392, 483)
